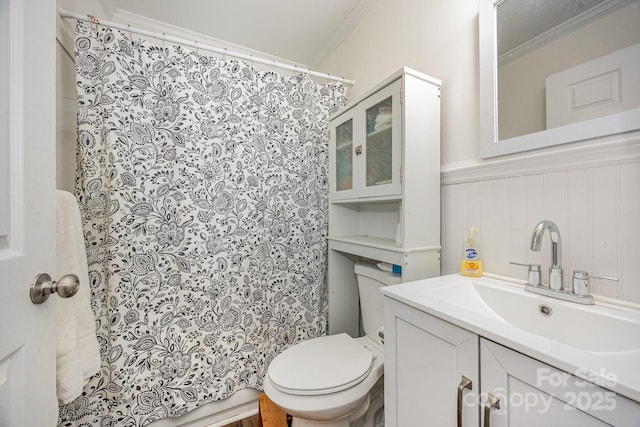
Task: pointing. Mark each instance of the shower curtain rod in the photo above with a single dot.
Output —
(194, 44)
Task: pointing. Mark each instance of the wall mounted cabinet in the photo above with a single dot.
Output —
(384, 201)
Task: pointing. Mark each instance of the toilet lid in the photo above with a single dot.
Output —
(321, 366)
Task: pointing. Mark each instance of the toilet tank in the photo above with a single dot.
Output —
(370, 280)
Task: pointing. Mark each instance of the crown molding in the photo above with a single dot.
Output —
(349, 23)
(109, 8)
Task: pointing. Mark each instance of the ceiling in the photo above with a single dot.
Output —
(301, 31)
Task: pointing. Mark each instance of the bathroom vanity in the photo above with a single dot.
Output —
(483, 352)
(384, 200)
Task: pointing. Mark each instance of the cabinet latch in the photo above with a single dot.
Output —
(358, 150)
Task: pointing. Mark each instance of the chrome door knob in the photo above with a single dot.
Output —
(43, 286)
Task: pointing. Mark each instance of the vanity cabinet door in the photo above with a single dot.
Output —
(532, 394)
(426, 360)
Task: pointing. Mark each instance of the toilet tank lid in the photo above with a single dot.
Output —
(321, 366)
(373, 272)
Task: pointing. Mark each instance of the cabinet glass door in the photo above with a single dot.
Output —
(343, 166)
(344, 156)
(382, 143)
(379, 143)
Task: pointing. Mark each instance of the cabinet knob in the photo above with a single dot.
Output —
(358, 150)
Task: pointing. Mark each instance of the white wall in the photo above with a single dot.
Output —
(436, 37)
(66, 110)
(592, 195)
(66, 107)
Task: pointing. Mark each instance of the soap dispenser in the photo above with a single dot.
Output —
(471, 265)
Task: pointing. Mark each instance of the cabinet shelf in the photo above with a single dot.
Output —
(381, 249)
(344, 145)
(368, 200)
(380, 243)
(372, 242)
(377, 134)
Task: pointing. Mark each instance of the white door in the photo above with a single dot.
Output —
(27, 211)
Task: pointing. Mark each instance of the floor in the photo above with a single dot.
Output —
(269, 415)
(247, 422)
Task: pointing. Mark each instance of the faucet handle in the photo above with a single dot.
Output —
(581, 281)
(519, 263)
(613, 279)
(533, 273)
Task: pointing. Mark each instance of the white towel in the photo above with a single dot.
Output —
(77, 350)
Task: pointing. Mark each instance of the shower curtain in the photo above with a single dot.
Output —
(202, 184)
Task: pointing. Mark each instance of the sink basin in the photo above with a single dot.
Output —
(599, 328)
(599, 343)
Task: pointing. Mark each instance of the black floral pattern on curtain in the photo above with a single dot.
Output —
(202, 184)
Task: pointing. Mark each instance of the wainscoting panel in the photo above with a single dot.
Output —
(596, 205)
(629, 232)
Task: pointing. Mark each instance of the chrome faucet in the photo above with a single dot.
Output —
(555, 271)
(580, 281)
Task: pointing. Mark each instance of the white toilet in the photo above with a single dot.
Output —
(336, 380)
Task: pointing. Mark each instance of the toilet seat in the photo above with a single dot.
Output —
(321, 366)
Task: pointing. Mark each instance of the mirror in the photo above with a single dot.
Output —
(557, 71)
